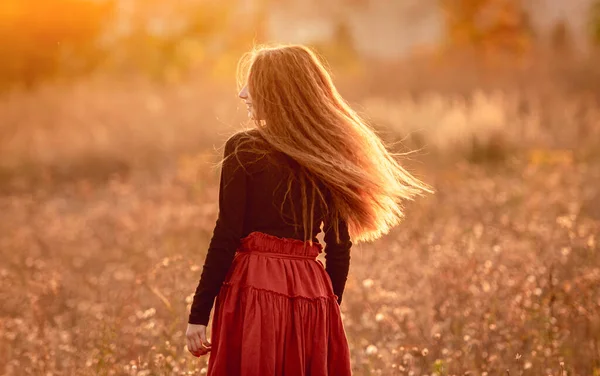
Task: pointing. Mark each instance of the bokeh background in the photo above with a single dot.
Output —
(113, 114)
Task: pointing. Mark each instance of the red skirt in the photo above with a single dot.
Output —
(276, 313)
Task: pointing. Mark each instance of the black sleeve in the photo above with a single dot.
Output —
(226, 235)
(337, 256)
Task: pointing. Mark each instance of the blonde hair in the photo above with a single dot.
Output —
(301, 114)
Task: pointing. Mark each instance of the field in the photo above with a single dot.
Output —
(108, 203)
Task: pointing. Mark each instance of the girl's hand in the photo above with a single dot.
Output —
(196, 340)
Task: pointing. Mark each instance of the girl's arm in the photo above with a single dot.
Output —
(226, 235)
(337, 256)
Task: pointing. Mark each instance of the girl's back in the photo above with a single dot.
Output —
(271, 205)
(310, 160)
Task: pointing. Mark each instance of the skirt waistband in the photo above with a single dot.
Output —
(270, 245)
(283, 255)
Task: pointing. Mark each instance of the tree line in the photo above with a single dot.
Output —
(45, 40)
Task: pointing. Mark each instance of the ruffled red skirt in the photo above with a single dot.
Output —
(276, 314)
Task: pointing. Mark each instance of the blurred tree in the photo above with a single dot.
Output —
(244, 26)
(165, 40)
(340, 50)
(560, 38)
(41, 39)
(595, 23)
(491, 27)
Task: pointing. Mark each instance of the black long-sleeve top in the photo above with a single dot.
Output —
(251, 191)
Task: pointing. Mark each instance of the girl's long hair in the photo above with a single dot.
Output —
(302, 115)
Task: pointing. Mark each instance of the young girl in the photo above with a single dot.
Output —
(308, 160)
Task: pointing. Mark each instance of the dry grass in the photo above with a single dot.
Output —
(487, 125)
(497, 272)
(94, 128)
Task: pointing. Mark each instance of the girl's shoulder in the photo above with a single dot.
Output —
(251, 137)
(250, 150)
